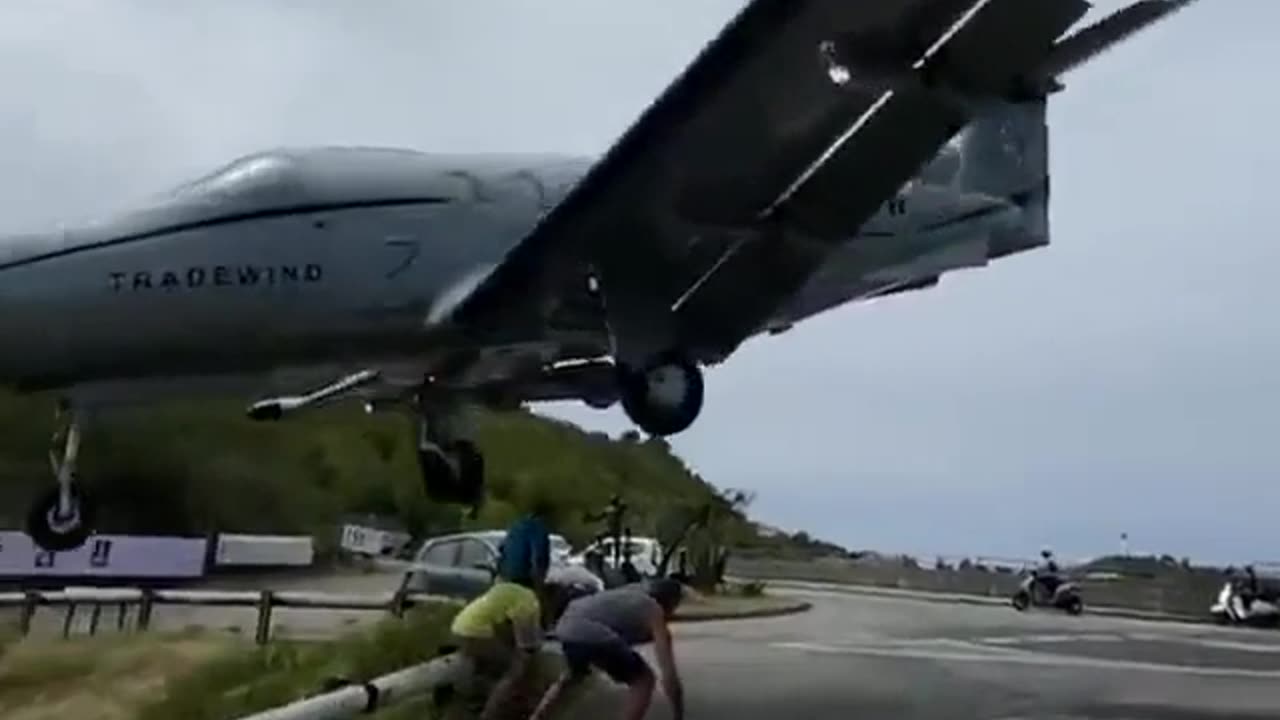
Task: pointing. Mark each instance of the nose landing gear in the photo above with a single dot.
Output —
(62, 518)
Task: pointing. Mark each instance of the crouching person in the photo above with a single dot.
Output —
(599, 631)
(500, 632)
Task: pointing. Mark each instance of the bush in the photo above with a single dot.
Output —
(194, 468)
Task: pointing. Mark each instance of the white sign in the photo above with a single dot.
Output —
(264, 550)
(371, 541)
(128, 556)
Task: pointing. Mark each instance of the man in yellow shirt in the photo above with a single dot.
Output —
(500, 632)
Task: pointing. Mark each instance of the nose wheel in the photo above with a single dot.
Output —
(62, 518)
(58, 525)
(663, 396)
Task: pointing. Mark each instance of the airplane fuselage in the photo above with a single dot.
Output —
(336, 258)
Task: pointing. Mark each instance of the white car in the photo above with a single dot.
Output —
(645, 554)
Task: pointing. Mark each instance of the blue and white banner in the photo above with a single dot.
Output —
(126, 556)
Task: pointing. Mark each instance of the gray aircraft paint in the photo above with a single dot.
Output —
(337, 257)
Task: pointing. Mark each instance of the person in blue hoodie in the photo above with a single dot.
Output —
(526, 550)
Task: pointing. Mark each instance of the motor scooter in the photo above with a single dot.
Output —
(1234, 607)
(1033, 593)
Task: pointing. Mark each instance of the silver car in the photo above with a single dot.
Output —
(463, 565)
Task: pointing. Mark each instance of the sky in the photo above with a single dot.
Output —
(1121, 380)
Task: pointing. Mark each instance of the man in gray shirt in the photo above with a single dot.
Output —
(600, 631)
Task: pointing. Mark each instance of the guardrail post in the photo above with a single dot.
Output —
(264, 618)
(28, 613)
(145, 605)
(66, 620)
(122, 611)
(94, 617)
(399, 601)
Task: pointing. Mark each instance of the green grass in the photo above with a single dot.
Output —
(240, 682)
(211, 675)
(100, 678)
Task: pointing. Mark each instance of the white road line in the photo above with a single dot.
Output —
(1030, 658)
(1232, 645)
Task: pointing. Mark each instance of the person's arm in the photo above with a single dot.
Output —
(671, 684)
(542, 556)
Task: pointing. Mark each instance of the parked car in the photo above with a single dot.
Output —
(463, 565)
(645, 554)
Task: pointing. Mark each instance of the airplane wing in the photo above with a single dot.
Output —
(783, 136)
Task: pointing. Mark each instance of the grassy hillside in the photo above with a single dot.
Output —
(197, 468)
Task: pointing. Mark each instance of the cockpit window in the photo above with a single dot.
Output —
(257, 175)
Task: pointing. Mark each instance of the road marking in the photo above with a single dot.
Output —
(1047, 639)
(1232, 645)
(1018, 657)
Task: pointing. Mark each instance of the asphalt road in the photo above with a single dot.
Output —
(861, 656)
(856, 656)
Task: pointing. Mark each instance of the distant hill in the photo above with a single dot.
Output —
(193, 468)
(1141, 566)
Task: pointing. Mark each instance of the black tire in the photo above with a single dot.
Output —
(50, 537)
(1021, 601)
(470, 472)
(1075, 606)
(442, 482)
(633, 391)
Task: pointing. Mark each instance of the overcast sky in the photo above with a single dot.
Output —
(1123, 379)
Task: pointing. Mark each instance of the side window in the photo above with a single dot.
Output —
(441, 554)
(474, 553)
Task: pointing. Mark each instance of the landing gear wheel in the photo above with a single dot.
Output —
(454, 473)
(665, 396)
(57, 531)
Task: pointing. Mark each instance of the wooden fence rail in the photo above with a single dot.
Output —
(146, 599)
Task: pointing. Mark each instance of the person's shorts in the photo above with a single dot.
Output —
(615, 659)
(503, 604)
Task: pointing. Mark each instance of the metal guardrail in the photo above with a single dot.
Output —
(378, 693)
(146, 599)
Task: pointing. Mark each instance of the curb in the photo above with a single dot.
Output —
(794, 608)
(975, 600)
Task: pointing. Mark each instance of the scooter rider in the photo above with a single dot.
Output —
(1047, 572)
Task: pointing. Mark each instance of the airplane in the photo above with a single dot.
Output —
(814, 154)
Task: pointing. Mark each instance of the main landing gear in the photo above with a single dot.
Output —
(62, 518)
(451, 465)
(663, 396)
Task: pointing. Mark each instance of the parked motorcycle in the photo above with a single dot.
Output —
(1033, 592)
(1235, 607)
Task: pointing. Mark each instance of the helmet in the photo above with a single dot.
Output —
(1046, 553)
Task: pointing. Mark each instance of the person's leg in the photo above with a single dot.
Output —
(489, 662)
(524, 635)
(625, 666)
(517, 673)
(577, 668)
